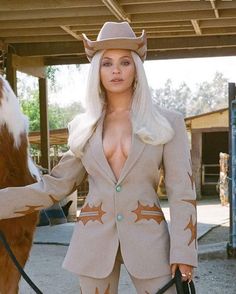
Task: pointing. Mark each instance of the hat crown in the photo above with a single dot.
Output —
(115, 30)
(116, 35)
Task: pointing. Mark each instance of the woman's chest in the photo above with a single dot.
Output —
(117, 137)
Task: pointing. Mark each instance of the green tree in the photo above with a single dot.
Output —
(30, 107)
(209, 96)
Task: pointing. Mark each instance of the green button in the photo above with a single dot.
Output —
(119, 217)
(118, 188)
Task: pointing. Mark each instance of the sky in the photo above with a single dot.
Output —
(191, 71)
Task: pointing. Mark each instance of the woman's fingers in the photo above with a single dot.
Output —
(173, 269)
(186, 271)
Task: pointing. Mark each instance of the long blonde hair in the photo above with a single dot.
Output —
(151, 127)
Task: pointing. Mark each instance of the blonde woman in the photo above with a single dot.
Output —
(121, 141)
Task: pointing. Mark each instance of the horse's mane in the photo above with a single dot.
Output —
(15, 169)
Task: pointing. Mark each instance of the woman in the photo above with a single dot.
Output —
(121, 141)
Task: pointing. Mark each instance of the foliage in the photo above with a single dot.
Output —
(208, 96)
(58, 116)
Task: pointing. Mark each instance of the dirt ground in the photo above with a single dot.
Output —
(216, 275)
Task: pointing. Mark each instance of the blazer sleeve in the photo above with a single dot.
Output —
(61, 182)
(181, 194)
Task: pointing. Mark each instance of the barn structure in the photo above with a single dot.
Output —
(35, 34)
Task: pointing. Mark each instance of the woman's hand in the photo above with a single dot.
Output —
(185, 269)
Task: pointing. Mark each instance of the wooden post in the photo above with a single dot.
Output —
(44, 125)
(11, 73)
(197, 161)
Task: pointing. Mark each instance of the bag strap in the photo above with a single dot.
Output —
(19, 267)
(166, 286)
(181, 287)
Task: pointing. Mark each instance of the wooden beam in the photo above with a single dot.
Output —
(154, 55)
(134, 2)
(196, 27)
(196, 155)
(175, 16)
(213, 5)
(210, 130)
(116, 10)
(167, 7)
(15, 5)
(44, 125)
(31, 32)
(70, 32)
(219, 31)
(225, 4)
(221, 4)
(53, 13)
(59, 60)
(11, 73)
(138, 31)
(52, 22)
(228, 12)
(76, 47)
(194, 53)
(192, 42)
(161, 24)
(151, 25)
(30, 65)
(172, 34)
(220, 22)
(39, 39)
(48, 49)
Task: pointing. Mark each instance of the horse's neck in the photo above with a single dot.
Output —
(14, 169)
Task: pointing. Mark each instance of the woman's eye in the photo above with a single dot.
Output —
(125, 63)
(106, 64)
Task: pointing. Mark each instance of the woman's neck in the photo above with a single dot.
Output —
(118, 102)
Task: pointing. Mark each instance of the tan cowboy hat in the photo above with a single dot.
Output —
(116, 35)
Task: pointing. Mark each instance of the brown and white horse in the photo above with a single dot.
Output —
(15, 170)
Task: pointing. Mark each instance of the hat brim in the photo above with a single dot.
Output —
(139, 45)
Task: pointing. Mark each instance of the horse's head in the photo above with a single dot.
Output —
(11, 116)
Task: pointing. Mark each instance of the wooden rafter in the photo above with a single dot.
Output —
(213, 5)
(196, 27)
(52, 28)
(70, 32)
(15, 5)
(58, 48)
(53, 13)
(116, 10)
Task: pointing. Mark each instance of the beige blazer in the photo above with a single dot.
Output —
(126, 211)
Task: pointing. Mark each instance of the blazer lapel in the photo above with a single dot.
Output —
(98, 153)
(96, 145)
(136, 150)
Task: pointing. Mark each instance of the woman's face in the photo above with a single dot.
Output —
(117, 71)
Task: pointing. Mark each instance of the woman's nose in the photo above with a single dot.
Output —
(116, 69)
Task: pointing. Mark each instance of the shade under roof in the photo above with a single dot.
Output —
(51, 29)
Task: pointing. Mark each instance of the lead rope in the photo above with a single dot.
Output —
(19, 267)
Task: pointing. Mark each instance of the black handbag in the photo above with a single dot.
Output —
(181, 286)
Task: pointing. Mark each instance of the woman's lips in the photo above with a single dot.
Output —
(117, 80)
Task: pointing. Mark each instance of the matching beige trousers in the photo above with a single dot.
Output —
(109, 285)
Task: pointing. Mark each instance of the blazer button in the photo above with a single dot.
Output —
(119, 217)
(118, 188)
